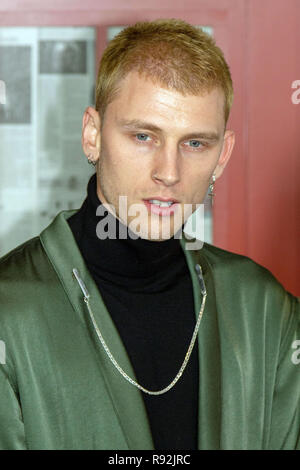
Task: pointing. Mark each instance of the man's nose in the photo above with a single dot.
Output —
(166, 168)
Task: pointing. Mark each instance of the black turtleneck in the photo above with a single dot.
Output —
(147, 290)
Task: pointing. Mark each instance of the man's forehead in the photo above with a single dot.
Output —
(139, 97)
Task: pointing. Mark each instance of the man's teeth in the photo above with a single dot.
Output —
(161, 203)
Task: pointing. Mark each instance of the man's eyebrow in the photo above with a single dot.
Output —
(138, 124)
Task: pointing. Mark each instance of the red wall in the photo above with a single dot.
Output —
(274, 138)
(256, 207)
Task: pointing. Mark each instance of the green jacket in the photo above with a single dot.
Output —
(59, 390)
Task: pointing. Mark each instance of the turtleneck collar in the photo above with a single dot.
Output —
(139, 265)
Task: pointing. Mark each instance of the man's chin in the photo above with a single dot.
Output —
(159, 238)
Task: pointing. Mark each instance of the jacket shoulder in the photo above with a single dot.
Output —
(242, 282)
(26, 277)
(24, 261)
(237, 266)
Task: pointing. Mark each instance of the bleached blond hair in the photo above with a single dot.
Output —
(170, 52)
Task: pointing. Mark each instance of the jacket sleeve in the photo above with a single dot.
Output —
(12, 435)
(285, 427)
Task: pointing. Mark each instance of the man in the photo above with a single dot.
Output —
(119, 337)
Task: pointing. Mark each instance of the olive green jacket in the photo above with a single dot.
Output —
(59, 389)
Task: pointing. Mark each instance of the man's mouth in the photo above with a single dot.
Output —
(159, 203)
(161, 206)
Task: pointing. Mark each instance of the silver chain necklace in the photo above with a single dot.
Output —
(111, 357)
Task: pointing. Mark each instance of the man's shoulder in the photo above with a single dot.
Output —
(23, 261)
(30, 258)
(236, 264)
(26, 278)
(242, 274)
(25, 264)
(217, 255)
(250, 292)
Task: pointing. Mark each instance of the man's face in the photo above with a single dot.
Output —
(160, 149)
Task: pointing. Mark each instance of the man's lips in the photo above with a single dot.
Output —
(158, 210)
(162, 199)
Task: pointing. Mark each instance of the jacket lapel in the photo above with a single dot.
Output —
(64, 255)
(209, 421)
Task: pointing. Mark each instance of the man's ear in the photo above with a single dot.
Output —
(228, 144)
(90, 137)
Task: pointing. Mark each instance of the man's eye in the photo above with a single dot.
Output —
(142, 137)
(195, 143)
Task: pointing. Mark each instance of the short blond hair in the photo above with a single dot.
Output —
(172, 53)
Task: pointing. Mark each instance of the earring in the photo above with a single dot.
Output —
(90, 159)
(211, 189)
